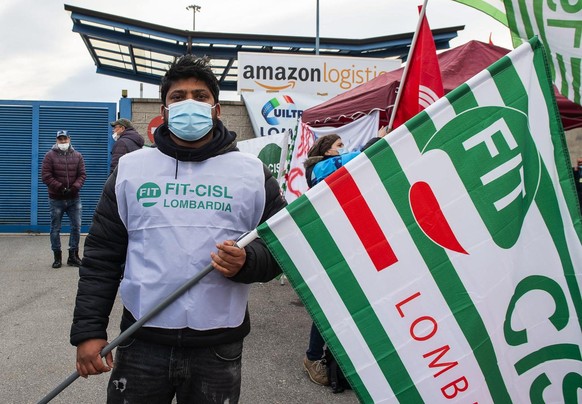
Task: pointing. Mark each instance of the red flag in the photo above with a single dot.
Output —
(423, 84)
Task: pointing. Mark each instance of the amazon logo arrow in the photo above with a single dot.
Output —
(291, 84)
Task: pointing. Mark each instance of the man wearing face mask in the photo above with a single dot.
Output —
(63, 172)
(126, 138)
(167, 213)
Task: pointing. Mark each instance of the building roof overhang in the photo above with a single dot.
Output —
(140, 51)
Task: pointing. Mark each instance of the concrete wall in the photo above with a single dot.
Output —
(233, 114)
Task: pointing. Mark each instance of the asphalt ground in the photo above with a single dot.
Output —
(36, 306)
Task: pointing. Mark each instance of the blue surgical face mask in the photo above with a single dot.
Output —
(342, 150)
(190, 120)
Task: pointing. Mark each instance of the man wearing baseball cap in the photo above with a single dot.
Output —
(127, 139)
(63, 172)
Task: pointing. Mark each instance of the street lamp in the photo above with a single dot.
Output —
(194, 9)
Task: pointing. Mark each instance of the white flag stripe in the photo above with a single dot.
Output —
(413, 276)
(333, 307)
(483, 93)
(441, 116)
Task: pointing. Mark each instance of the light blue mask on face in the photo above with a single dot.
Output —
(190, 120)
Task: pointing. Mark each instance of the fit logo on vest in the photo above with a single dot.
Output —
(185, 196)
(148, 194)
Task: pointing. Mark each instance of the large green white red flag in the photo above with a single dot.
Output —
(444, 263)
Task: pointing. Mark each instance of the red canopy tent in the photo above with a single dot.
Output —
(457, 66)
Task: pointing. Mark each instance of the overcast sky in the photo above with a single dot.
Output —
(42, 59)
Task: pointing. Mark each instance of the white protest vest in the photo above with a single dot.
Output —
(174, 224)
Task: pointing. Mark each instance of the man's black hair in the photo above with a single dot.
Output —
(188, 66)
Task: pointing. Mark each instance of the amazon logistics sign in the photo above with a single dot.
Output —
(277, 88)
(324, 75)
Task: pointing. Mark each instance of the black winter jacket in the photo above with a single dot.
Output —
(106, 246)
(63, 169)
(129, 141)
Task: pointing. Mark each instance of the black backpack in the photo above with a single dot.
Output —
(337, 380)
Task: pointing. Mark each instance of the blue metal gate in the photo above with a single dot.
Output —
(27, 132)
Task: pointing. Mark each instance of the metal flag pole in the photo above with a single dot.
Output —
(241, 242)
(405, 72)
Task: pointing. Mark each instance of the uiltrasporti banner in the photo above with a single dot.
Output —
(277, 88)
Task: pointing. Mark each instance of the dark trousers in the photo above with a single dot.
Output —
(152, 373)
(316, 344)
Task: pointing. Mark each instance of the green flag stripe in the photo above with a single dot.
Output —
(421, 119)
(487, 8)
(460, 99)
(512, 23)
(445, 275)
(516, 94)
(576, 75)
(347, 286)
(527, 27)
(564, 90)
(548, 353)
(313, 308)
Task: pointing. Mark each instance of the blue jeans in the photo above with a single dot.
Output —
(145, 372)
(316, 344)
(73, 208)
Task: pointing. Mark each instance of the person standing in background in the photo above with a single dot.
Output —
(127, 139)
(63, 172)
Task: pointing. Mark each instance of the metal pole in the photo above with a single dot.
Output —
(317, 27)
(194, 9)
(243, 241)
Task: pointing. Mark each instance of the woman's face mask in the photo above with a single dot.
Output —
(190, 120)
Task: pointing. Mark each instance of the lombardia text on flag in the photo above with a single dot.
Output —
(444, 263)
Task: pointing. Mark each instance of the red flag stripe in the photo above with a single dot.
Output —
(361, 218)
